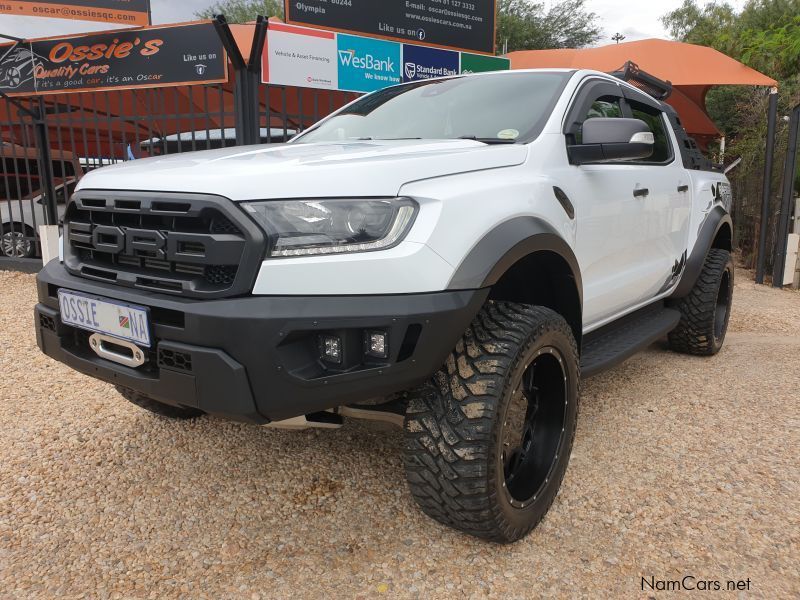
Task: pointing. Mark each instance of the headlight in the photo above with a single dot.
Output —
(309, 227)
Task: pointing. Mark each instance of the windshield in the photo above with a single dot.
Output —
(506, 108)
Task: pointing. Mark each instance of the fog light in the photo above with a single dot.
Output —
(376, 344)
(330, 348)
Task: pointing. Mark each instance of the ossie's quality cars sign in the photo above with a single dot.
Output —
(112, 60)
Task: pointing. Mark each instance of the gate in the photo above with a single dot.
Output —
(27, 176)
(58, 138)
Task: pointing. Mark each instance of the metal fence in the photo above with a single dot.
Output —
(290, 110)
(50, 142)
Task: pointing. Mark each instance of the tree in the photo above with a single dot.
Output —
(525, 25)
(242, 11)
(700, 25)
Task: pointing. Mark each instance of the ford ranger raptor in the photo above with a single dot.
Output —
(453, 255)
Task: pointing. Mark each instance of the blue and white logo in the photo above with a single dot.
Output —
(420, 62)
(366, 65)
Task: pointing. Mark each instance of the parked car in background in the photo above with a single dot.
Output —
(211, 139)
(20, 219)
(22, 207)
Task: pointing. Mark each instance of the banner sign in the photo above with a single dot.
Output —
(366, 64)
(322, 59)
(300, 57)
(163, 56)
(460, 24)
(125, 12)
(420, 62)
(477, 63)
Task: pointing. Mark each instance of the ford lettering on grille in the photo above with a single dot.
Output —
(159, 245)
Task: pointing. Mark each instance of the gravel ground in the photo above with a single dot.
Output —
(682, 466)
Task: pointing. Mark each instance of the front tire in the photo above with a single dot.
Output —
(705, 312)
(488, 440)
(153, 406)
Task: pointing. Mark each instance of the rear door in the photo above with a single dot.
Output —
(666, 209)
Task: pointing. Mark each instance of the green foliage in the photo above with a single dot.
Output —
(704, 25)
(526, 25)
(775, 51)
(242, 11)
(722, 104)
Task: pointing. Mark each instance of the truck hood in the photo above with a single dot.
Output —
(358, 168)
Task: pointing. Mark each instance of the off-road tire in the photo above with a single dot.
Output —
(705, 311)
(454, 423)
(163, 410)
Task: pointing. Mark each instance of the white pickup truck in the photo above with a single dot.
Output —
(453, 255)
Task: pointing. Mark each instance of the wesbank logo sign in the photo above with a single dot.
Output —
(366, 64)
(348, 58)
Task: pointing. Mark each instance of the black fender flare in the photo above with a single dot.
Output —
(507, 243)
(717, 218)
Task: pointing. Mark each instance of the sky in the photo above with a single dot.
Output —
(635, 19)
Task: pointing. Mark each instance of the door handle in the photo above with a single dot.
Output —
(683, 188)
(641, 193)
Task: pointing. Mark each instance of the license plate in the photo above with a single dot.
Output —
(100, 315)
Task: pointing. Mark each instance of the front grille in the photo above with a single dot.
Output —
(188, 244)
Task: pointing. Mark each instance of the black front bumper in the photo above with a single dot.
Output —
(256, 358)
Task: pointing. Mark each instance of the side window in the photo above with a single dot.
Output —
(662, 152)
(604, 106)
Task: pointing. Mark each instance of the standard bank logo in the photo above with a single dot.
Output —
(420, 62)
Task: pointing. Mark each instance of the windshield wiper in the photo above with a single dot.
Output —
(487, 140)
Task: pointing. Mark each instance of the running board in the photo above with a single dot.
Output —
(618, 341)
(363, 413)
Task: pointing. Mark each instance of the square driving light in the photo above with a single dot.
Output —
(330, 348)
(376, 344)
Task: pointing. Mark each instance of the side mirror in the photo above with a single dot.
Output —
(612, 139)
